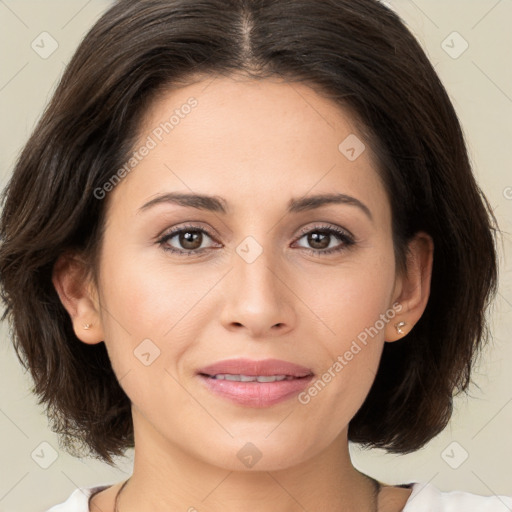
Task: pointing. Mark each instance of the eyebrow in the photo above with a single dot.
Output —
(219, 204)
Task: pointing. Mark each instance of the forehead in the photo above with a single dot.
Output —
(254, 141)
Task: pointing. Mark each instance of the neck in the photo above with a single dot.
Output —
(166, 477)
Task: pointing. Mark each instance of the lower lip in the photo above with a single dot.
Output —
(256, 394)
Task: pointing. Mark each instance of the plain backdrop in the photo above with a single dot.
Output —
(469, 43)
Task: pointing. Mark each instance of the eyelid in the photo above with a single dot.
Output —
(327, 226)
(169, 233)
(195, 225)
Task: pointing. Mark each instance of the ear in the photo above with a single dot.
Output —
(412, 290)
(79, 296)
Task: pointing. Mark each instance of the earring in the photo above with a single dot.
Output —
(87, 326)
(399, 326)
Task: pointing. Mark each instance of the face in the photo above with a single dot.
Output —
(182, 287)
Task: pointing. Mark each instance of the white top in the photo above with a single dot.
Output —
(424, 498)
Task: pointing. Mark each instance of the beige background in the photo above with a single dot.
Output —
(479, 82)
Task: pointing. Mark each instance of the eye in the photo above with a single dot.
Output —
(188, 239)
(321, 237)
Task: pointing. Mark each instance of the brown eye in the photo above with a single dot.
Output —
(320, 238)
(185, 241)
(190, 239)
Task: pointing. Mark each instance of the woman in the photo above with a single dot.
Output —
(236, 242)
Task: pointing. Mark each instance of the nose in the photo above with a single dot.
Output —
(257, 298)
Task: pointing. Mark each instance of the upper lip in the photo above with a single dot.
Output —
(252, 367)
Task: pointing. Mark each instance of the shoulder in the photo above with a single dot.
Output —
(425, 497)
(78, 501)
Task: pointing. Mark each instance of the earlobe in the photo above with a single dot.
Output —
(78, 296)
(414, 289)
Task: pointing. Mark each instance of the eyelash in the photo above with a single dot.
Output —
(343, 236)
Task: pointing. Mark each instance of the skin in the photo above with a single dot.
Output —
(257, 144)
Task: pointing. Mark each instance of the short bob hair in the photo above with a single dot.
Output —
(357, 53)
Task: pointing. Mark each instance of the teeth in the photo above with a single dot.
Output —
(252, 378)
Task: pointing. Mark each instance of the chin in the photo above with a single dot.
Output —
(255, 453)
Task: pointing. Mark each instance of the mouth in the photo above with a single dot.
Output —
(248, 370)
(258, 391)
(252, 378)
(255, 384)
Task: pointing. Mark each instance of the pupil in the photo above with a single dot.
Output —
(187, 239)
(314, 239)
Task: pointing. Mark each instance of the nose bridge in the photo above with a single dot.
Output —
(256, 296)
(255, 270)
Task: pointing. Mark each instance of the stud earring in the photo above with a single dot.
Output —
(399, 326)
(87, 326)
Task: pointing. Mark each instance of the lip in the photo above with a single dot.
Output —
(252, 367)
(256, 394)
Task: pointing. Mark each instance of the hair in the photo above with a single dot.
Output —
(359, 54)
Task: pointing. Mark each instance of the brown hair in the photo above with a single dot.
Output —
(356, 52)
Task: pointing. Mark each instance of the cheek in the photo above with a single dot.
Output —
(148, 298)
(354, 308)
(144, 306)
(350, 298)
